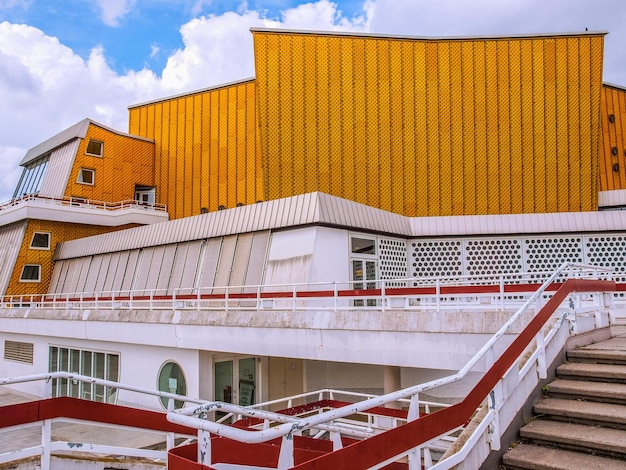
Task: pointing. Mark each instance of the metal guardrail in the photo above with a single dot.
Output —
(468, 292)
(83, 203)
(544, 300)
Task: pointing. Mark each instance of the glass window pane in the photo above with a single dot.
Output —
(172, 380)
(363, 246)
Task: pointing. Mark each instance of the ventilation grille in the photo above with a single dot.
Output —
(432, 258)
(17, 351)
(450, 258)
(393, 261)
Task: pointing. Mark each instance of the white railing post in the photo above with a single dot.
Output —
(415, 461)
(501, 292)
(493, 432)
(335, 295)
(541, 356)
(414, 408)
(438, 293)
(204, 447)
(335, 437)
(383, 300)
(285, 458)
(46, 436)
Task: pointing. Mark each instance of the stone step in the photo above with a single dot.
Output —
(593, 372)
(583, 412)
(577, 437)
(529, 457)
(587, 390)
(612, 351)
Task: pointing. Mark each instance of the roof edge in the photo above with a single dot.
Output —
(425, 38)
(192, 92)
(76, 131)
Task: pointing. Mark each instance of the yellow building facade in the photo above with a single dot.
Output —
(414, 126)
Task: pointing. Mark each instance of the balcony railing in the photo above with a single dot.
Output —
(83, 203)
(481, 293)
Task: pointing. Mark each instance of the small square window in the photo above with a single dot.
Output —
(31, 273)
(94, 147)
(86, 176)
(40, 241)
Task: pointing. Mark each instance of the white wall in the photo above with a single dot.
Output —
(139, 365)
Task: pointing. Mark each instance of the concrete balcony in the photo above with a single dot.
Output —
(81, 210)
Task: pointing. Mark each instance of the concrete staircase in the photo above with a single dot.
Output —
(581, 421)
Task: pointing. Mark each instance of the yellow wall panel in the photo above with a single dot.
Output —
(207, 150)
(60, 232)
(612, 161)
(114, 181)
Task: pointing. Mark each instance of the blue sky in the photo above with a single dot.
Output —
(62, 61)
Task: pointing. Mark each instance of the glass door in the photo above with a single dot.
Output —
(235, 381)
(364, 270)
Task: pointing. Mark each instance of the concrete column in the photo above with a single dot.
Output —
(391, 382)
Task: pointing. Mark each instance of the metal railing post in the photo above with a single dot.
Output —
(46, 436)
(204, 447)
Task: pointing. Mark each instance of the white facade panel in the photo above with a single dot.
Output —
(209, 259)
(11, 238)
(167, 265)
(131, 270)
(58, 170)
(225, 264)
(241, 259)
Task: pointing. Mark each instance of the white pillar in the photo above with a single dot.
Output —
(392, 382)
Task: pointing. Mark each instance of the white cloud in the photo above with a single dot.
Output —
(154, 51)
(8, 4)
(114, 10)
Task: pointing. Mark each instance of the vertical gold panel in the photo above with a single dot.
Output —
(576, 162)
(469, 130)
(503, 157)
(445, 130)
(370, 177)
(334, 117)
(383, 182)
(562, 157)
(407, 137)
(347, 121)
(492, 173)
(543, 125)
(517, 177)
(457, 151)
(360, 120)
(480, 97)
(432, 127)
(398, 81)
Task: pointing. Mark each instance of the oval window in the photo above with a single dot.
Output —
(172, 380)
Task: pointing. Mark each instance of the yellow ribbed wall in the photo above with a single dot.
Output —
(60, 232)
(126, 162)
(613, 139)
(207, 152)
(431, 127)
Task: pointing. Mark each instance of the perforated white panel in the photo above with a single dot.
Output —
(483, 256)
(393, 260)
(547, 254)
(432, 258)
(609, 251)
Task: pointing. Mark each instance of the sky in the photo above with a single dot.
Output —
(65, 60)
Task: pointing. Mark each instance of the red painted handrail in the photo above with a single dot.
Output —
(365, 454)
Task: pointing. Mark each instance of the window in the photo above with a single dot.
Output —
(172, 380)
(100, 365)
(94, 147)
(86, 176)
(363, 246)
(18, 351)
(32, 176)
(40, 241)
(31, 273)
